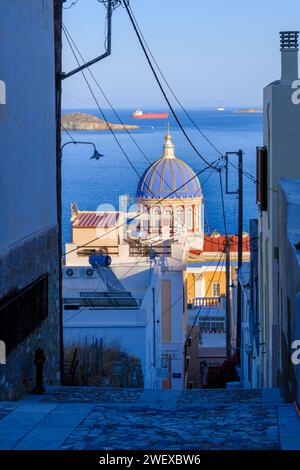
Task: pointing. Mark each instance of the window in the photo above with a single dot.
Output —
(169, 215)
(179, 220)
(146, 225)
(216, 289)
(189, 215)
(213, 324)
(22, 312)
(156, 214)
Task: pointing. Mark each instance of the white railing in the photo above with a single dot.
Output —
(204, 301)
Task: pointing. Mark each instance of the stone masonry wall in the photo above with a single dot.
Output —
(19, 267)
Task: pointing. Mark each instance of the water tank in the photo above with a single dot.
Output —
(100, 260)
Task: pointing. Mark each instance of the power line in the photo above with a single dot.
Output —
(137, 27)
(252, 178)
(104, 117)
(182, 295)
(71, 5)
(70, 40)
(170, 88)
(114, 111)
(68, 133)
(161, 87)
(209, 310)
(138, 215)
(212, 165)
(198, 313)
(68, 37)
(114, 3)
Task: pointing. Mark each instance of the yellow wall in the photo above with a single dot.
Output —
(190, 285)
(208, 277)
(81, 236)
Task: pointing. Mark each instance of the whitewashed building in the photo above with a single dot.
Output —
(270, 283)
(133, 303)
(280, 160)
(167, 219)
(289, 285)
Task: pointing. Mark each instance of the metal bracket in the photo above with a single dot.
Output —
(108, 46)
(227, 154)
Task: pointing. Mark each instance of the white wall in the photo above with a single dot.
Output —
(27, 120)
(130, 339)
(282, 139)
(178, 328)
(132, 329)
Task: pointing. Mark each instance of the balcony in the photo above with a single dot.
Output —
(195, 302)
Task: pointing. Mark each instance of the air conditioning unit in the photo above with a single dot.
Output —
(88, 272)
(71, 272)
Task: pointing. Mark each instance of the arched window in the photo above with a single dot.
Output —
(169, 215)
(156, 217)
(146, 219)
(189, 216)
(179, 219)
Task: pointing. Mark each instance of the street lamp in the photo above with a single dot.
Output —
(96, 155)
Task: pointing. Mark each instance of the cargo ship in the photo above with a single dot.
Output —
(138, 114)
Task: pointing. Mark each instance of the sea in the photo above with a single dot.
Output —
(97, 184)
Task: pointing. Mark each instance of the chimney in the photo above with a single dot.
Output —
(289, 54)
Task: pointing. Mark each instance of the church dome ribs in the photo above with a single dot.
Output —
(168, 175)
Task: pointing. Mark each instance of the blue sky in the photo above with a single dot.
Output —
(219, 52)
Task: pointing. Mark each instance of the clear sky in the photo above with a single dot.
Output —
(213, 52)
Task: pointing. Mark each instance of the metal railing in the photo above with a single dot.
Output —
(143, 250)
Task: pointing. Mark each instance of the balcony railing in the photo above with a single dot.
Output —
(204, 301)
(143, 250)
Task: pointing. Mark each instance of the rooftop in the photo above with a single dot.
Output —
(216, 242)
(96, 219)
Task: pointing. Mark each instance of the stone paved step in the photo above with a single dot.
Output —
(92, 418)
(55, 427)
(19, 422)
(289, 427)
(194, 396)
(91, 395)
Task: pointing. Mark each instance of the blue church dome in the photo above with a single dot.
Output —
(166, 175)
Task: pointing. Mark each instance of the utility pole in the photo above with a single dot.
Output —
(240, 256)
(228, 312)
(238, 192)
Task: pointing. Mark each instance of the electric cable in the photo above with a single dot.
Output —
(162, 89)
(198, 313)
(113, 109)
(142, 37)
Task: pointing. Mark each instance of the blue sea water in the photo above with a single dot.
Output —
(92, 183)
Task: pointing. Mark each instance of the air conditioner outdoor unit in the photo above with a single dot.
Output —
(71, 272)
(88, 272)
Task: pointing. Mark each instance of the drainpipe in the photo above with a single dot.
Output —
(57, 5)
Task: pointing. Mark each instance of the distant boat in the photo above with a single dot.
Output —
(138, 114)
(220, 108)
